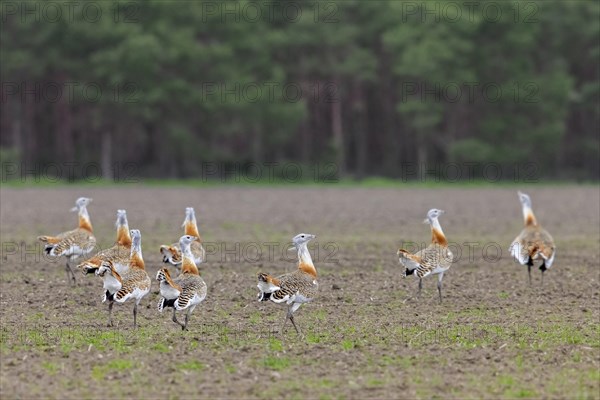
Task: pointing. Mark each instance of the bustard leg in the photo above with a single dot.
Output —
(294, 323)
(70, 273)
(542, 277)
(134, 315)
(420, 287)
(543, 268)
(175, 319)
(290, 315)
(110, 307)
(187, 318)
(439, 285)
(287, 316)
(529, 264)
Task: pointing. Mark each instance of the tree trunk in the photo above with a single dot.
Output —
(304, 128)
(65, 148)
(336, 127)
(15, 117)
(422, 160)
(31, 147)
(106, 155)
(361, 134)
(257, 145)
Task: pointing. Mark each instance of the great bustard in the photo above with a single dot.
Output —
(534, 243)
(134, 284)
(295, 288)
(187, 290)
(434, 259)
(118, 254)
(73, 244)
(172, 253)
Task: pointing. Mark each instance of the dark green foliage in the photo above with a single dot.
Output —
(371, 86)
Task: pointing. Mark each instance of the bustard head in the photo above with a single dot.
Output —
(81, 202)
(302, 238)
(432, 215)
(525, 199)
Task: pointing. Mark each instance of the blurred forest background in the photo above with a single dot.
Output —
(370, 86)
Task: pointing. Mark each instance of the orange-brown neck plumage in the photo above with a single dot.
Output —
(437, 236)
(84, 222)
(188, 266)
(123, 236)
(307, 268)
(305, 263)
(137, 261)
(191, 229)
(530, 219)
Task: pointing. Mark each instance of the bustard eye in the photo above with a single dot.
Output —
(302, 235)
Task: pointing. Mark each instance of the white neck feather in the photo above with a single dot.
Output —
(122, 222)
(189, 217)
(136, 246)
(84, 213)
(436, 225)
(304, 254)
(186, 250)
(526, 211)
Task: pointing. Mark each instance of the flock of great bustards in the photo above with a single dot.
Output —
(122, 268)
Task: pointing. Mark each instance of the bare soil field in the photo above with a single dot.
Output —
(365, 336)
